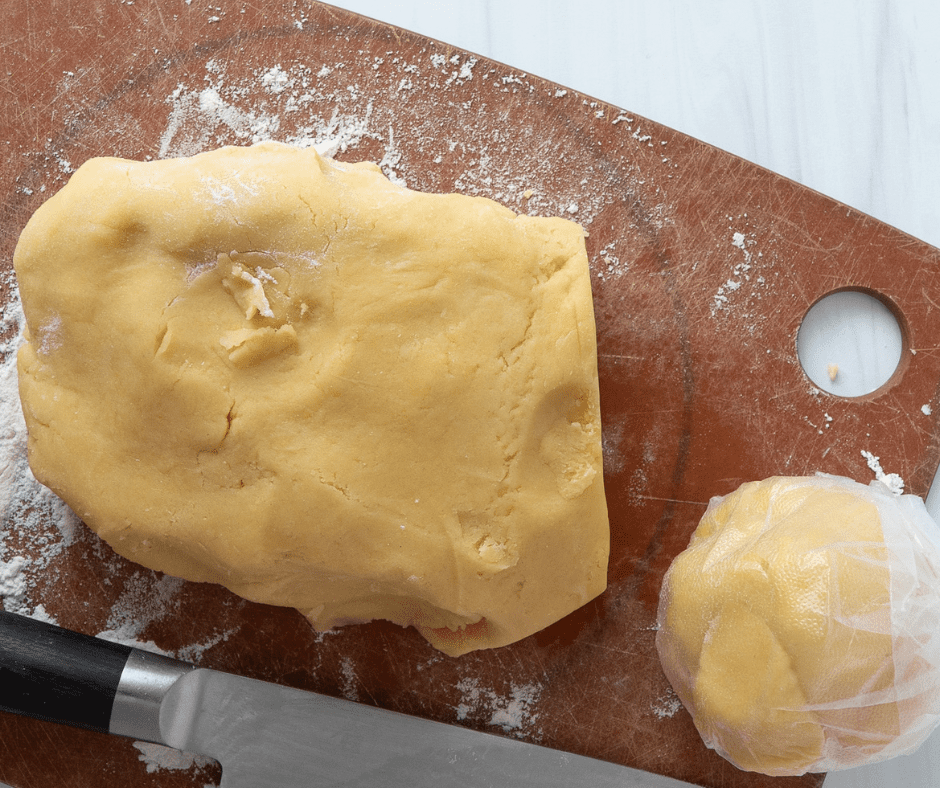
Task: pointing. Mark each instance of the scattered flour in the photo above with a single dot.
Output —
(458, 75)
(276, 80)
(145, 598)
(28, 546)
(515, 713)
(750, 279)
(890, 480)
(48, 335)
(350, 686)
(201, 114)
(609, 264)
(391, 160)
(207, 117)
(157, 757)
(926, 410)
(740, 274)
(666, 705)
(611, 442)
(284, 102)
(13, 584)
(329, 106)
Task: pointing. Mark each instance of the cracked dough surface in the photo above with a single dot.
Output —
(265, 369)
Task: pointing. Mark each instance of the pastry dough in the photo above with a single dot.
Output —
(267, 369)
(800, 626)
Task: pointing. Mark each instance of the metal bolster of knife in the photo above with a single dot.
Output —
(53, 674)
(145, 682)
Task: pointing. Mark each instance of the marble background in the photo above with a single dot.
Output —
(842, 96)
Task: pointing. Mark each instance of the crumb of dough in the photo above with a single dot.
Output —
(833, 370)
(799, 627)
(292, 377)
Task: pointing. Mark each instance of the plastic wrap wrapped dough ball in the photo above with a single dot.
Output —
(801, 627)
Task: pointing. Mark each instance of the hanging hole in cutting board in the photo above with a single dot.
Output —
(851, 342)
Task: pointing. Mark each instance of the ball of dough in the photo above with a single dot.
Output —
(266, 369)
(801, 627)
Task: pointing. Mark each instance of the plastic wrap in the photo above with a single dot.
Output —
(801, 627)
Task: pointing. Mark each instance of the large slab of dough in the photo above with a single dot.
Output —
(266, 369)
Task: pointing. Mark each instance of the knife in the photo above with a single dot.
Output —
(266, 735)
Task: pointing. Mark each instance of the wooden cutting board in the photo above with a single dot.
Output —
(703, 266)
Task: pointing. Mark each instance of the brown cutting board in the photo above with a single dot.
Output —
(703, 266)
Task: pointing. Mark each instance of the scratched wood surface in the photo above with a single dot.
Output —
(703, 266)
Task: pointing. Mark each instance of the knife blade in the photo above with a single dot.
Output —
(266, 735)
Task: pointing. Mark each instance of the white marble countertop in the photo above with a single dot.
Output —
(841, 96)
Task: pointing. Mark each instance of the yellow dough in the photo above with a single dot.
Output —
(799, 628)
(266, 369)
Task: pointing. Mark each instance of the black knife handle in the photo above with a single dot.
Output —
(57, 675)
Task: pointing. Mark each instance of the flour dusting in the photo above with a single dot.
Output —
(338, 107)
(158, 757)
(515, 713)
(316, 106)
(13, 584)
(666, 705)
(28, 546)
(350, 687)
(611, 442)
(740, 274)
(748, 281)
(145, 598)
(210, 116)
(890, 480)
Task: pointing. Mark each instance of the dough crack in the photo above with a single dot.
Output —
(508, 357)
(335, 485)
(229, 418)
(309, 207)
(160, 344)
